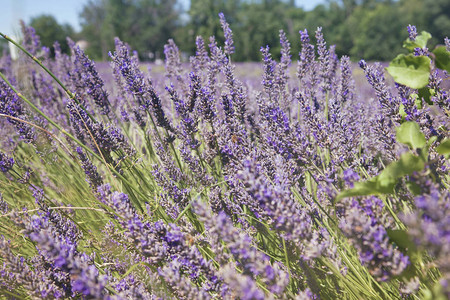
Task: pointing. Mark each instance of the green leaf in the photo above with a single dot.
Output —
(360, 189)
(385, 182)
(426, 93)
(407, 164)
(444, 147)
(420, 41)
(401, 239)
(414, 188)
(409, 134)
(442, 58)
(412, 71)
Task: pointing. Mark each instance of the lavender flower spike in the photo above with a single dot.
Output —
(412, 31)
(229, 48)
(6, 163)
(92, 83)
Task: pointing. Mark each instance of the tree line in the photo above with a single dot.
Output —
(369, 29)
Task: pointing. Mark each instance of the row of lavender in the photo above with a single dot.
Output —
(195, 185)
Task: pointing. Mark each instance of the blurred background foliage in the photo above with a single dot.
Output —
(369, 29)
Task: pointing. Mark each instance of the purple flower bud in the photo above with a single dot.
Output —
(412, 31)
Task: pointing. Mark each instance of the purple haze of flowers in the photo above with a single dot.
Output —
(370, 238)
(157, 241)
(201, 99)
(11, 105)
(106, 139)
(429, 227)
(61, 225)
(181, 286)
(282, 73)
(345, 88)
(324, 59)
(31, 40)
(15, 273)
(189, 122)
(274, 202)
(126, 70)
(179, 195)
(253, 262)
(58, 250)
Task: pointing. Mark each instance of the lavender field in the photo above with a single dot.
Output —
(307, 177)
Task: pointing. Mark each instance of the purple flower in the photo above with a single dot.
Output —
(201, 59)
(11, 105)
(412, 31)
(90, 82)
(362, 224)
(127, 67)
(229, 48)
(92, 176)
(31, 40)
(173, 62)
(268, 81)
(375, 77)
(6, 163)
(306, 56)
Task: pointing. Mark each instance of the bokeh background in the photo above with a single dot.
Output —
(369, 29)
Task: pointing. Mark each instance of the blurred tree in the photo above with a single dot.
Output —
(144, 24)
(369, 29)
(377, 32)
(50, 31)
(429, 15)
(204, 19)
(93, 21)
(154, 22)
(261, 23)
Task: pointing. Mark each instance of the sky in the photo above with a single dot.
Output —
(65, 11)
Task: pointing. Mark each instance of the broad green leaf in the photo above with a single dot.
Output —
(426, 94)
(444, 147)
(442, 58)
(385, 182)
(414, 188)
(409, 134)
(401, 239)
(420, 41)
(412, 71)
(407, 164)
(360, 189)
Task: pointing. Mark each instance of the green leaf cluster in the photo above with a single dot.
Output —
(409, 134)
